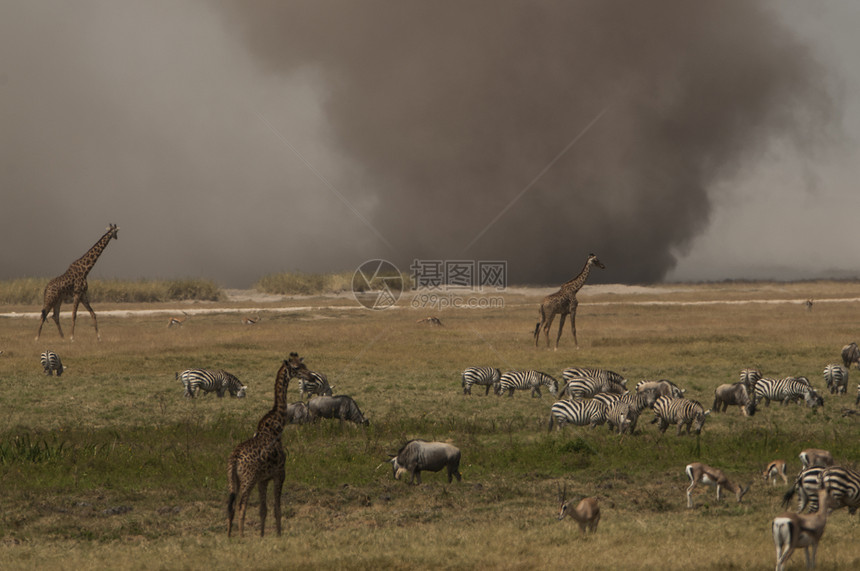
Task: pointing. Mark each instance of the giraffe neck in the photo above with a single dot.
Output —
(575, 284)
(281, 382)
(85, 263)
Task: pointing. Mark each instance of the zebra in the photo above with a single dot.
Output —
(637, 402)
(606, 398)
(579, 412)
(524, 380)
(786, 390)
(620, 415)
(806, 486)
(844, 486)
(485, 376)
(586, 387)
(210, 380)
(51, 362)
(592, 373)
(749, 377)
(317, 385)
(680, 411)
(836, 378)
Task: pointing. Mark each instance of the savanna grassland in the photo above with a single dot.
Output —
(109, 467)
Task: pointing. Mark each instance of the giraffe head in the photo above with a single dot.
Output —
(113, 229)
(592, 260)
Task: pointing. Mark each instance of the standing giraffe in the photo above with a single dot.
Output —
(564, 302)
(261, 458)
(73, 284)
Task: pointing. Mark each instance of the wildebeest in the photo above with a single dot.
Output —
(418, 455)
(340, 406)
(297, 413)
(734, 394)
(663, 387)
(851, 354)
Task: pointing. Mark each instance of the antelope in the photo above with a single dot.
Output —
(701, 473)
(774, 469)
(174, 320)
(792, 530)
(809, 304)
(586, 513)
(815, 457)
(248, 320)
(432, 320)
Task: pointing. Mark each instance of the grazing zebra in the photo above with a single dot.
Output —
(579, 412)
(836, 378)
(606, 398)
(669, 410)
(637, 403)
(484, 376)
(786, 390)
(620, 415)
(523, 380)
(584, 387)
(51, 362)
(210, 380)
(844, 487)
(806, 486)
(749, 377)
(317, 384)
(592, 373)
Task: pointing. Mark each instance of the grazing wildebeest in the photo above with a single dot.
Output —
(851, 355)
(734, 394)
(340, 406)
(297, 413)
(663, 388)
(418, 455)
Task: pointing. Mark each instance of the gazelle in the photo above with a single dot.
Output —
(175, 320)
(792, 530)
(774, 469)
(815, 457)
(586, 513)
(248, 320)
(704, 474)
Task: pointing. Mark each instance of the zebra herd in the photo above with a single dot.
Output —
(220, 381)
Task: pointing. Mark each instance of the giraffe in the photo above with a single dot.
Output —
(261, 458)
(73, 284)
(564, 302)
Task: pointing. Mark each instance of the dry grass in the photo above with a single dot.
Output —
(120, 435)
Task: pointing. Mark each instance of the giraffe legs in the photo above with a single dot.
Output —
(264, 492)
(82, 298)
(278, 488)
(547, 327)
(560, 328)
(55, 315)
(573, 322)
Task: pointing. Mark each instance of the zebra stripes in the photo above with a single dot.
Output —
(806, 486)
(578, 412)
(482, 376)
(749, 377)
(844, 487)
(836, 378)
(680, 411)
(524, 380)
(317, 384)
(592, 373)
(208, 381)
(785, 391)
(51, 362)
(620, 416)
(585, 387)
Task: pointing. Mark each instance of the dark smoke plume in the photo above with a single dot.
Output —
(455, 108)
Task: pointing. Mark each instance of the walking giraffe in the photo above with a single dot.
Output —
(564, 302)
(73, 284)
(261, 458)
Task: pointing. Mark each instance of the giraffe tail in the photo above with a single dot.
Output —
(233, 482)
(537, 329)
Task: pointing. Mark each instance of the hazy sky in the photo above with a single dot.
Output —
(234, 140)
